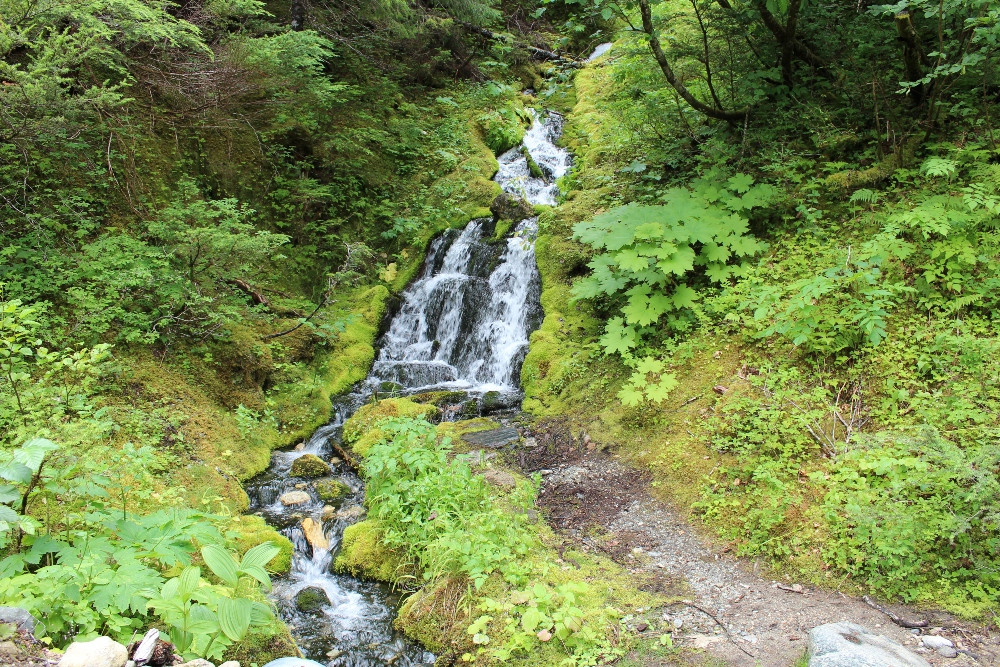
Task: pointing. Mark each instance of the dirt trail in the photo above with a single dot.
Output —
(756, 621)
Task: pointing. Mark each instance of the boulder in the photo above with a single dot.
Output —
(509, 207)
(330, 489)
(310, 466)
(852, 645)
(21, 618)
(100, 652)
(230, 663)
(311, 599)
(314, 534)
(294, 498)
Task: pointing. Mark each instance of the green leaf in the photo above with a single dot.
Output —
(221, 563)
(9, 494)
(234, 617)
(684, 297)
(260, 555)
(618, 337)
(740, 182)
(18, 473)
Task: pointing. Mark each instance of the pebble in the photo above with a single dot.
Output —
(947, 652)
(936, 642)
(294, 498)
(678, 623)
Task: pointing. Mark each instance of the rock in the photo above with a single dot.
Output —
(143, 651)
(510, 207)
(294, 498)
(330, 489)
(314, 534)
(299, 447)
(852, 645)
(678, 623)
(947, 652)
(293, 662)
(310, 466)
(100, 652)
(23, 619)
(311, 599)
(198, 663)
(500, 479)
(301, 485)
(336, 460)
(935, 642)
(329, 511)
(230, 663)
(490, 402)
(494, 438)
(352, 512)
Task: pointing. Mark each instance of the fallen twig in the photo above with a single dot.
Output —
(712, 616)
(901, 622)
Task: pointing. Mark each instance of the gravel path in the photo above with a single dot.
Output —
(764, 622)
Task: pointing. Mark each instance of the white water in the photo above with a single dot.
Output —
(463, 324)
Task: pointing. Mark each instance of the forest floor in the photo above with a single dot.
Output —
(728, 609)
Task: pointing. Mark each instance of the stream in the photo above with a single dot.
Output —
(463, 325)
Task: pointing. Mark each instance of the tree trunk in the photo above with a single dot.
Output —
(913, 53)
(788, 43)
(298, 14)
(668, 73)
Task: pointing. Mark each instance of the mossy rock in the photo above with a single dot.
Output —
(363, 554)
(330, 489)
(311, 599)
(508, 207)
(262, 645)
(362, 430)
(252, 530)
(440, 398)
(310, 466)
(436, 617)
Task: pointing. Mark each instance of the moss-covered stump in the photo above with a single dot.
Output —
(363, 554)
(330, 489)
(362, 430)
(310, 466)
(252, 530)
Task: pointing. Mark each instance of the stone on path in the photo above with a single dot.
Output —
(494, 438)
(852, 645)
(100, 652)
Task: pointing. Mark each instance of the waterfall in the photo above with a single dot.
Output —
(463, 325)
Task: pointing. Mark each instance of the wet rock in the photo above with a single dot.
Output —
(491, 401)
(311, 599)
(500, 479)
(294, 498)
(852, 645)
(21, 618)
(494, 438)
(100, 652)
(310, 466)
(330, 489)
(314, 534)
(352, 512)
(329, 511)
(509, 207)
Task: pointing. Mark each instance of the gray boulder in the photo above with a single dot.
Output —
(18, 617)
(494, 438)
(100, 652)
(853, 645)
(509, 207)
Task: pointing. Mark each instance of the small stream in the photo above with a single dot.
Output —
(463, 325)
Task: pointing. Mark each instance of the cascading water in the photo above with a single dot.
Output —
(463, 325)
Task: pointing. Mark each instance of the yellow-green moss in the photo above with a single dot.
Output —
(252, 530)
(362, 430)
(363, 554)
(455, 430)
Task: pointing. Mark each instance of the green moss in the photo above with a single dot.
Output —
(309, 466)
(363, 554)
(251, 530)
(331, 489)
(455, 430)
(263, 645)
(361, 431)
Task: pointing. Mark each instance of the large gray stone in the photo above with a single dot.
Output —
(21, 618)
(293, 662)
(494, 438)
(853, 645)
(100, 652)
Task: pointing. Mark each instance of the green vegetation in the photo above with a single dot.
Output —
(772, 281)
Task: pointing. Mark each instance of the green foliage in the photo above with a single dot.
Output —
(428, 503)
(535, 616)
(655, 256)
(503, 127)
(918, 517)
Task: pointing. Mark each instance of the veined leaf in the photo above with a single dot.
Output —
(221, 563)
(234, 617)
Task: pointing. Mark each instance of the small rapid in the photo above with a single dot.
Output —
(462, 325)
